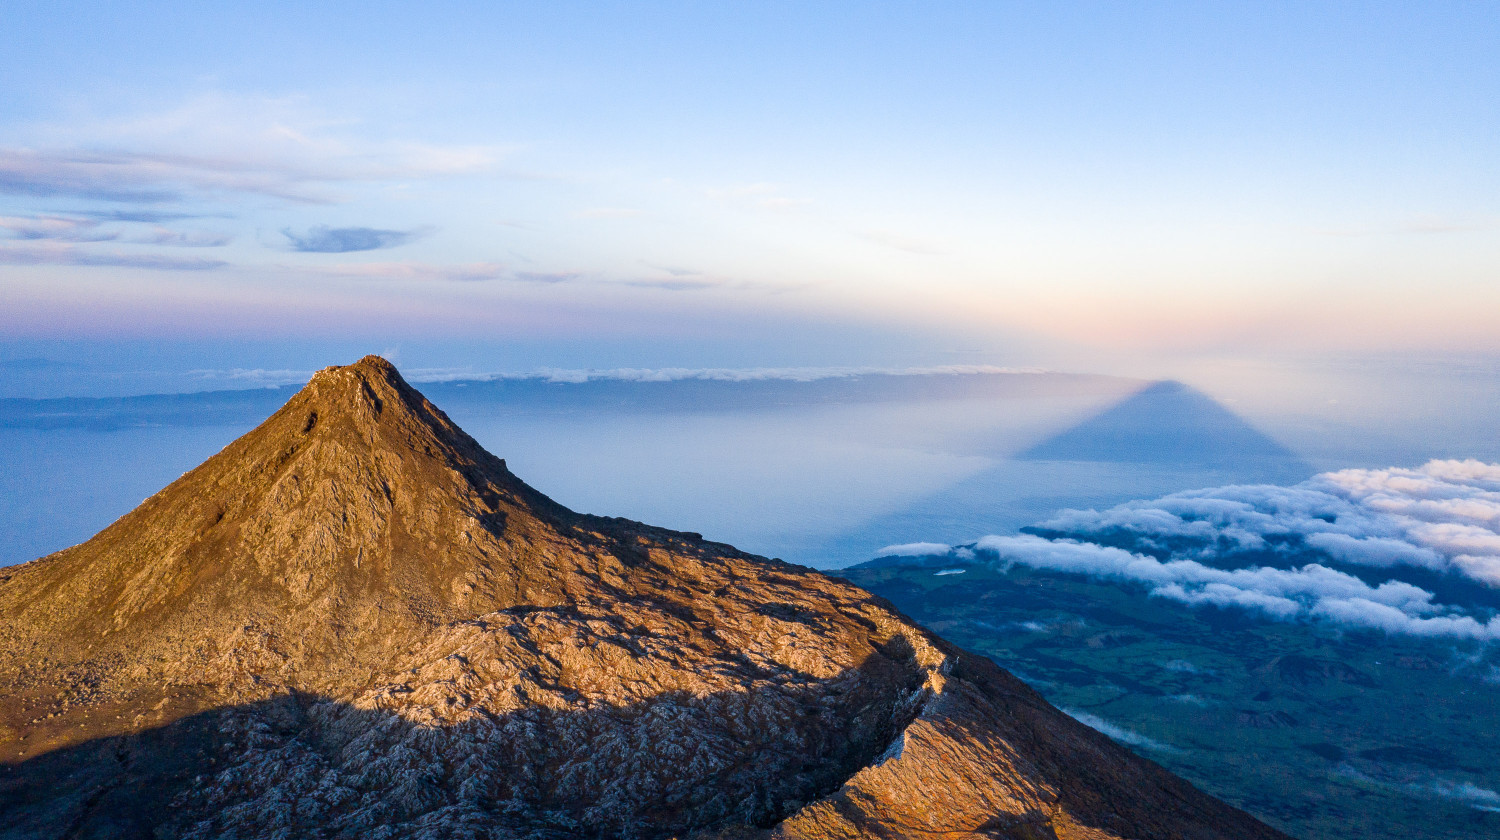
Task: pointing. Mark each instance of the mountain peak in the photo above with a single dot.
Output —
(364, 390)
(353, 622)
(371, 363)
(371, 370)
(365, 378)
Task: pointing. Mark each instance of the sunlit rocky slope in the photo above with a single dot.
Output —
(355, 622)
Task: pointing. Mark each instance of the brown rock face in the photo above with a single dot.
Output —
(354, 622)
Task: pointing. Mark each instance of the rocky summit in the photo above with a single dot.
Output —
(354, 622)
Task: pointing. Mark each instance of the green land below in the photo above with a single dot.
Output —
(1321, 732)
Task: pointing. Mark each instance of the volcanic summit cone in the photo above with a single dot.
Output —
(354, 622)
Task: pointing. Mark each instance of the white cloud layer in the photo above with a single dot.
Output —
(1310, 591)
(1192, 547)
(1443, 516)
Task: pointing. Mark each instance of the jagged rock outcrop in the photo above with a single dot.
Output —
(355, 622)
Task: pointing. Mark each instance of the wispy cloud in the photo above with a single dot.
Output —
(84, 229)
(327, 240)
(415, 271)
(57, 228)
(677, 279)
(75, 174)
(1479, 798)
(547, 276)
(1120, 733)
(183, 239)
(477, 272)
(214, 146)
(256, 376)
(674, 284)
(140, 215)
(677, 271)
(61, 254)
(146, 178)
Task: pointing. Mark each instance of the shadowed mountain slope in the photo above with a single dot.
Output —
(1174, 424)
(355, 622)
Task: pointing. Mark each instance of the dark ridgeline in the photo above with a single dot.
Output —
(355, 622)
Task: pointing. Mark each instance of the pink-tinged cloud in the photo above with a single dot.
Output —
(56, 228)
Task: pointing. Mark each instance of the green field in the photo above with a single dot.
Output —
(1320, 732)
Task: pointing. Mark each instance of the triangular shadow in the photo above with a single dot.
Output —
(1170, 424)
(1162, 439)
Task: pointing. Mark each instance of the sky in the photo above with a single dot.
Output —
(1129, 188)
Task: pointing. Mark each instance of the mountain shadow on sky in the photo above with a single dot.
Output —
(1169, 423)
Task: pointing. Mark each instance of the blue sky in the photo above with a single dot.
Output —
(745, 184)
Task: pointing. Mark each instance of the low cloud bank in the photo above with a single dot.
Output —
(921, 549)
(1443, 516)
(1246, 546)
(578, 376)
(1309, 591)
(794, 374)
(261, 377)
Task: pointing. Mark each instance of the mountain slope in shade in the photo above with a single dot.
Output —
(1172, 424)
(354, 622)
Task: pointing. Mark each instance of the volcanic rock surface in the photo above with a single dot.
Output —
(353, 622)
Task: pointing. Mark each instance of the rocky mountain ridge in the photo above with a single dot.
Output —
(355, 622)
